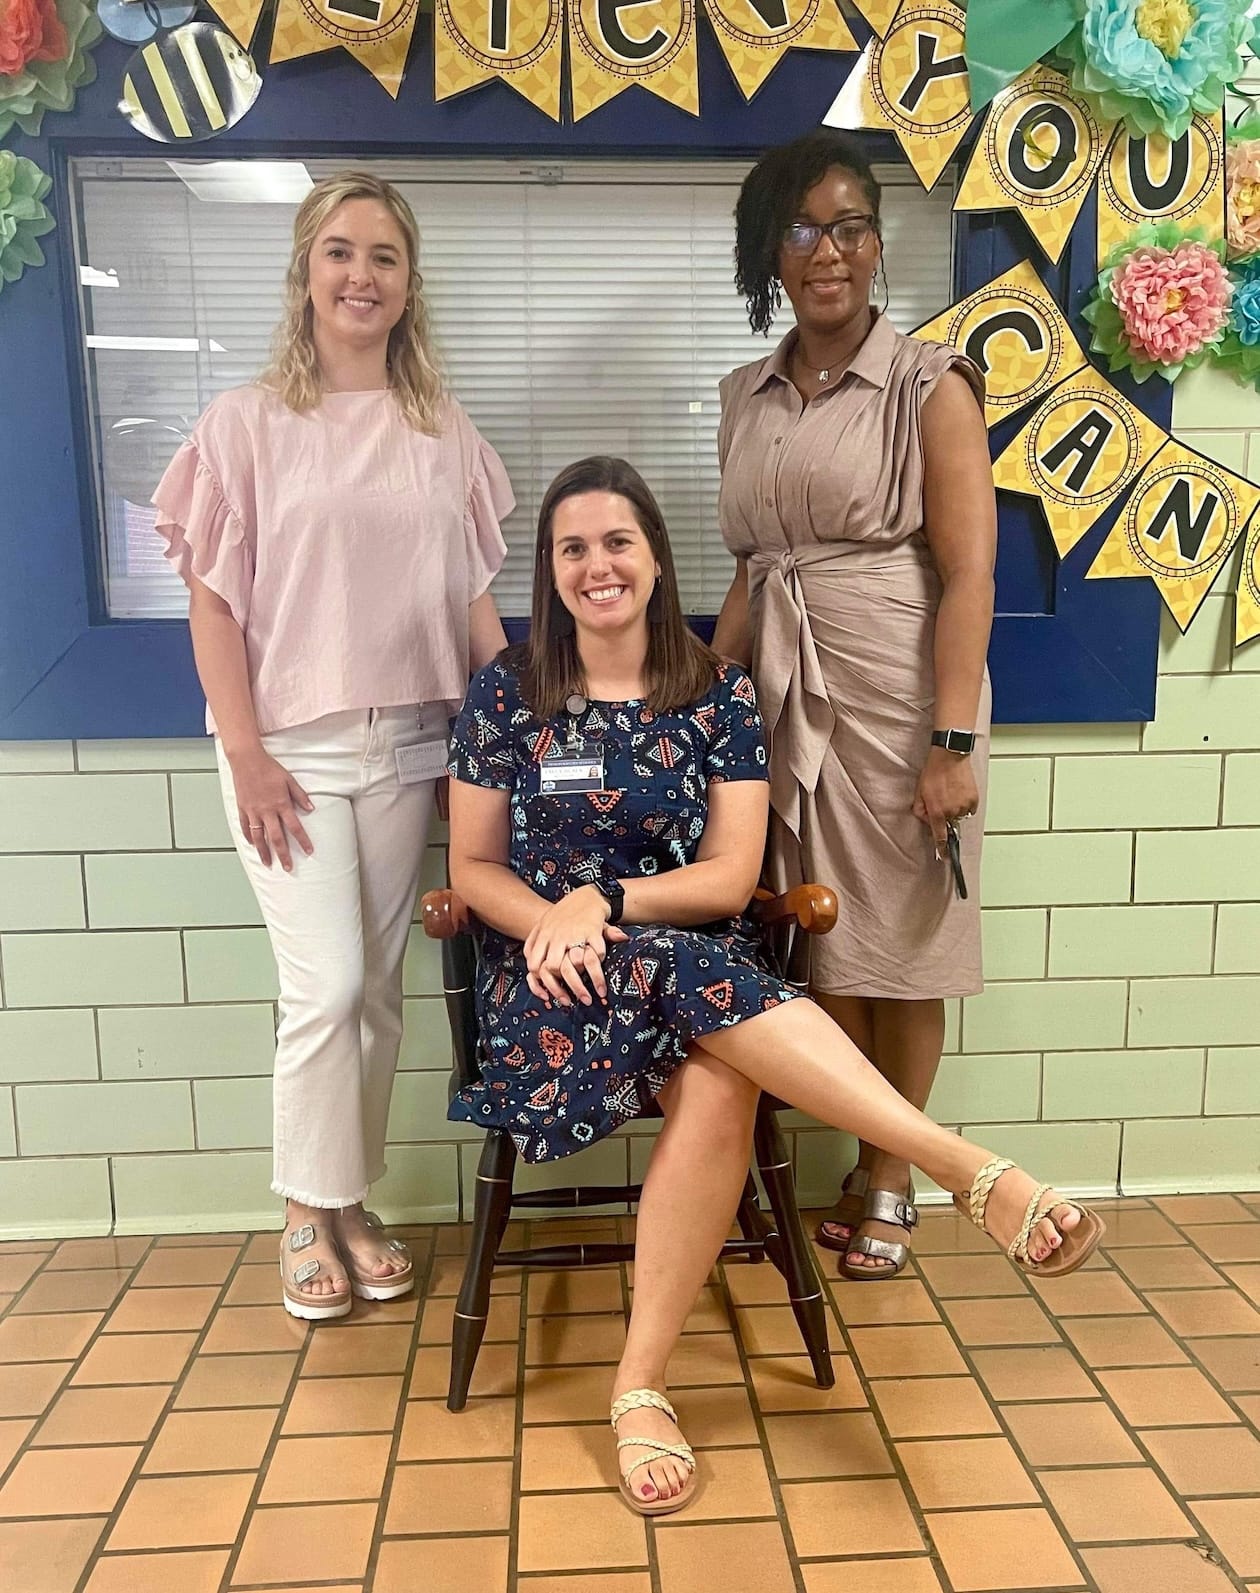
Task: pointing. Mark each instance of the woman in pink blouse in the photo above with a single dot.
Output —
(337, 525)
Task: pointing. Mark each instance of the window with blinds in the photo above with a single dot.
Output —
(580, 307)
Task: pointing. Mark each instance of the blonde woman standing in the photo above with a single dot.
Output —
(337, 525)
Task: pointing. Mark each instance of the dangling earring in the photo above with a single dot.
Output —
(656, 605)
(561, 620)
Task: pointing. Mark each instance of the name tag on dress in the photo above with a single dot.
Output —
(424, 760)
(571, 768)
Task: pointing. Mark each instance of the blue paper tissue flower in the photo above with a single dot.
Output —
(1154, 63)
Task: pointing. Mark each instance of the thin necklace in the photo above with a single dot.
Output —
(823, 374)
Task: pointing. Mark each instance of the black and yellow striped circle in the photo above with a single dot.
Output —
(189, 84)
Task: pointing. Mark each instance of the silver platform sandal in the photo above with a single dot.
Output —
(882, 1205)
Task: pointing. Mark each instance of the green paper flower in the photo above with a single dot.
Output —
(1162, 302)
(1154, 64)
(51, 85)
(23, 215)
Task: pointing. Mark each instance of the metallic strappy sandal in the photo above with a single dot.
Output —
(638, 1399)
(854, 1189)
(1078, 1245)
(299, 1302)
(882, 1205)
(366, 1284)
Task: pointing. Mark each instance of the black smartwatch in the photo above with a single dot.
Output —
(960, 741)
(614, 893)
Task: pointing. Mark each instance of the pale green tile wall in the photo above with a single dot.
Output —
(1117, 1046)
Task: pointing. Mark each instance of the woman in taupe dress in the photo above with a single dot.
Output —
(858, 500)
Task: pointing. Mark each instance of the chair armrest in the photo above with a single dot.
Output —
(445, 915)
(815, 908)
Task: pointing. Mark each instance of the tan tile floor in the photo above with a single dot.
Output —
(166, 1428)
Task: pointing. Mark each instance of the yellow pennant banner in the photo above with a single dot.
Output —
(1160, 179)
(1084, 446)
(1184, 517)
(754, 34)
(616, 43)
(914, 81)
(1016, 334)
(376, 32)
(1038, 153)
(520, 41)
(239, 17)
(1247, 611)
(879, 13)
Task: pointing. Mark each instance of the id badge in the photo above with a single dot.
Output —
(425, 758)
(572, 768)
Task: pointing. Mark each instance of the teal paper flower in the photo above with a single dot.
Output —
(51, 85)
(1154, 63)
(23, 215)
(1245, 306)
(1239, 351)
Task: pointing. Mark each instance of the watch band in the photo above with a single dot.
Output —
(614, 893)
(960, 741)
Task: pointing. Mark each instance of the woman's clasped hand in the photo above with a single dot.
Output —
(565, 950)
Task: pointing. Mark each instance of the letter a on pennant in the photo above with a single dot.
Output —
(1081, 450)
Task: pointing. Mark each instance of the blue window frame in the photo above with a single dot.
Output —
(1063, 649)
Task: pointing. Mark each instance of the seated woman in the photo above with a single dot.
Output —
(608, 818)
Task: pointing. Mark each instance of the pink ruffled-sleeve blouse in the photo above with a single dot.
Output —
(347, 544)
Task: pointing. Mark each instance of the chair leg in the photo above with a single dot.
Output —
(751, 1219)
(492, 1205)
(792, 1254)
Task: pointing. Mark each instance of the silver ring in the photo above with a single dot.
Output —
(578, 945)
(257, 829)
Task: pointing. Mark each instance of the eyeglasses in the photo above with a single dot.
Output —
(848, 234)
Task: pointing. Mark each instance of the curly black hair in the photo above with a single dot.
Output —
(770, 200)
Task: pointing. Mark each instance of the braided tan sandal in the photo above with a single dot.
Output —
(370, 1287)
(638, 1399)
(852, 1195)
(1078, 1245)
(300, 1302)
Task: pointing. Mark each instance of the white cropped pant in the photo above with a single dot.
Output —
(338, 926)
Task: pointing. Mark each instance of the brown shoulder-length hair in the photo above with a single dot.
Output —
(680, 668)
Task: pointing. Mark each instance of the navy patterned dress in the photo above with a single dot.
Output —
(559, 1079)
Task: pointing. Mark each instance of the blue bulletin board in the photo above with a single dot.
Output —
(1063, 649)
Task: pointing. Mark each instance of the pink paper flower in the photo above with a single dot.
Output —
(1242, 198)
(30, 30)
(1172, 301)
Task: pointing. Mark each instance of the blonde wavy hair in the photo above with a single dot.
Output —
(294, 371)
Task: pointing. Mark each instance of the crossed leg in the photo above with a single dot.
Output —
(701, 1158)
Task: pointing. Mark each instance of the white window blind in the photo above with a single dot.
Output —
(580, 307)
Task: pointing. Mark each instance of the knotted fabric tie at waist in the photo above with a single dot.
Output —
(792, 691)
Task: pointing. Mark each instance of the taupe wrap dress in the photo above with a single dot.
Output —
(825, 502)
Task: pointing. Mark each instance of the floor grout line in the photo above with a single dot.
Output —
(979, 1315)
